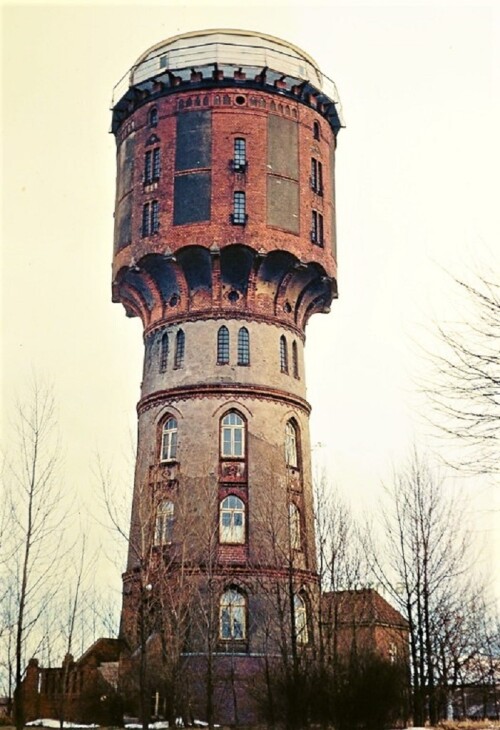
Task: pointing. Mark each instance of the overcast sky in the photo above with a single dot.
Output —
(417, 197)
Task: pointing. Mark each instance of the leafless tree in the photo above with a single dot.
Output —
(465, 382)
(34, 501)
(421, 557)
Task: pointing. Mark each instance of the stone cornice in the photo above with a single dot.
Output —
(233, 390)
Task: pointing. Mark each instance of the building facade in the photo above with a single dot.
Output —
(224, 247)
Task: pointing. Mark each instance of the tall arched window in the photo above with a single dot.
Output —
(169, 440)
(164, 529)
(295, 360)
(232, 435)
(232, 624)
(153, 118)
(291, 451)
(243, 347)
(232, 520)
(300, 615)
(223, 345)
(164, 352)
(283, 354)
(316, 131)
(180, 340)
(294, 522)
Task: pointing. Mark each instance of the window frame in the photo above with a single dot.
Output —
(164, 523)
(239, 215)
(232, 534)
(295, 526)
(233, 428)
(283, 355)
(292, 444)
(243, 346)
(295, 360)
(223, 345)
(180, 349)
(169, 440)
(317, 228)
(164, 347)
(153, 117)
(300, 609)
(235, 605)
(239, 161)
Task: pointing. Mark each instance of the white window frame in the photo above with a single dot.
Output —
(295, 526)
(300, 614)
(232, 423)
(291, 445)
(232, 616)
(164, 522)
(169, 440)
(232, 509)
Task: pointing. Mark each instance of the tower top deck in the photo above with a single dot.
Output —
(225, 56)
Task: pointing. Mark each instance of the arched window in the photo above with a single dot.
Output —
(295, 360)
(283, 354)
(300, 615)
(180, 341)
(291, 451)
(232, 625)
(243, 347)
(164, 352)
(232, 520)
(316, 131)
(153, 117)
(223, 345)
(232, 435)
(169, 440)
(164, 529)
(294, 522)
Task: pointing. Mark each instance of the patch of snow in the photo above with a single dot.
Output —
(47, 722)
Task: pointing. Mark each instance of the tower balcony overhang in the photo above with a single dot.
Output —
(226, 58)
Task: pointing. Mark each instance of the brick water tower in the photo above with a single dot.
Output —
(224, 247)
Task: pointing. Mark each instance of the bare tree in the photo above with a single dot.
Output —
(465, 383)
(423, 566)
(35, 507)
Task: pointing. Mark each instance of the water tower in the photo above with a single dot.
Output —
(224, 247)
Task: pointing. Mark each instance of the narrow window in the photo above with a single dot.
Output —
(317, 176)
(150, 220)
(300, 615)
(316, 133)
(239, 216)
(164, 352)
(294, 522)
(180, 341)
(169, 440)
(223, 345)
(243, 347)
(232, 435)
(148, 167)
(232, 520)
(164, 528)
(145, 219)
(295, 360)
(232, 615)
(156, 164)
(291, 445)
(283, 354)
(317, 228)
(239, 155)
(153, 118)
(154, 217)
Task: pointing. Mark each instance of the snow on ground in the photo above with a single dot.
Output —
(56, 723)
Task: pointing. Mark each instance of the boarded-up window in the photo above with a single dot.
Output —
(123, 223)
(192, 193)
(194, 140)
(283, 203)
(282, 147)
(125, 164)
